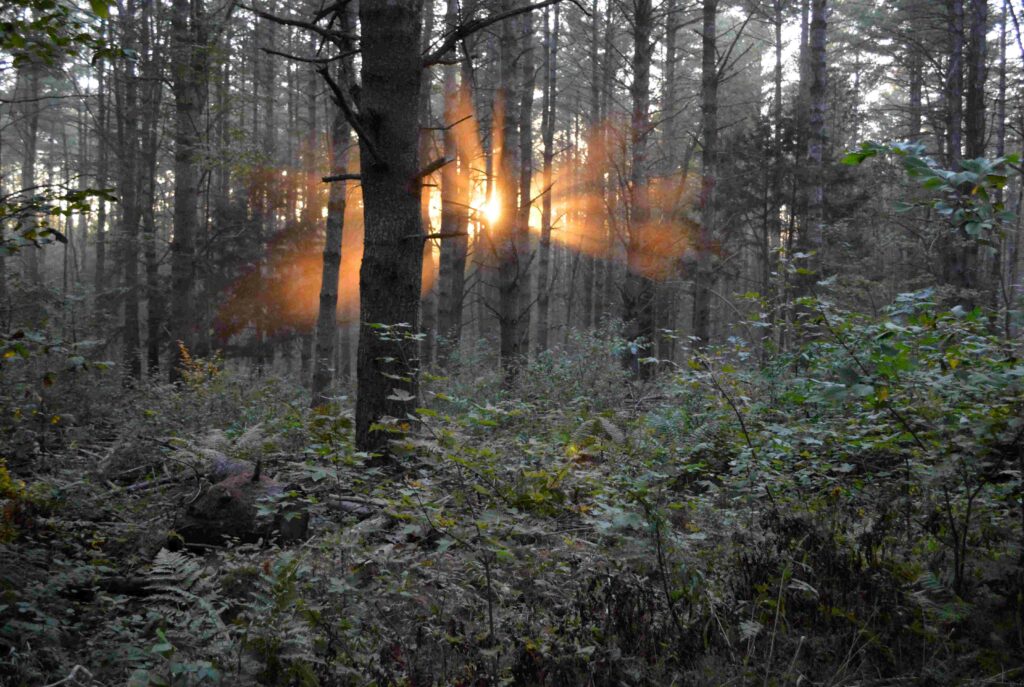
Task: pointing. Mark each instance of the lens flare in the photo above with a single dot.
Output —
(492, 209)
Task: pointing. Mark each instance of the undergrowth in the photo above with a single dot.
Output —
(848, 514)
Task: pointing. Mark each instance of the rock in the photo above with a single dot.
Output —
(230, 509)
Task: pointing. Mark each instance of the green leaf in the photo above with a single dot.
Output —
(101, 8)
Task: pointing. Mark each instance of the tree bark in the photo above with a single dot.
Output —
(152, 91)
(523, 248)
(189, 62)
(327, 316)
(638, 290)
(507, 240)
(390, 276)
(28, 88)
(128, 186)
(100, 264)
(548, 134)
(454, 207)
(977, 73)
(704, 274)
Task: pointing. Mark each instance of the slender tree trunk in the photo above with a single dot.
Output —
(638, 291)
(28, 88)
(709, 142)
(454, 206)
(666, 306)
(327, 319)
(773, 236)
(915, 107)
(511, 263)
(954, 85)
(128, 183)
(428, 307)
(523, 244)
(100, 264)
(1000, 288)
(548, 134)
(816, 124)
(611, 189)
(390, 277)
(152, 91)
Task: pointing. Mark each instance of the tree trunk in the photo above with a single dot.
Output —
(454, 207)
(523, 248)
(507, 240)
(704, 275)
(638, 291)
(128, 186)
(548, 134)
(428, 290)
(977, 73)
(327, 319)
(666, 306)
(152, 95)
(189, 61)
(954, 85)
(816, 123)
(390, 277)
(100, 264)
(28, 88)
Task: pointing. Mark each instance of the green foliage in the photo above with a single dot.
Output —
(51, 30)
(25, 217)
(966, 197)
(847, 512)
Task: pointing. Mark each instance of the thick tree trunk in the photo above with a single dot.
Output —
(704, 274)
(638, 291)
(810, 239)
(955, 254)
(977, 73)
(393, 245)
(189, 61)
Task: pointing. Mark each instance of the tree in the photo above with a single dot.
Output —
(638, 290)
(389, 280)
(709, 145)
(327, 320)
(454, 202)
(189, 62)
(549, 108)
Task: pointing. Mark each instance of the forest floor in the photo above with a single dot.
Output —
(728, 523)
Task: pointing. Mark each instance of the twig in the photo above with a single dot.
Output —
(71, 676)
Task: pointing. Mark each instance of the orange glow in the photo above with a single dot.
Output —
(591, 214)
(491, 209)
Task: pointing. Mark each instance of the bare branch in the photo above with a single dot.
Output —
(474, 25)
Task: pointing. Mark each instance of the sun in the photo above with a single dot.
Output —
(492, 209)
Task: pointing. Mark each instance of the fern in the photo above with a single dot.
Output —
(186, 597)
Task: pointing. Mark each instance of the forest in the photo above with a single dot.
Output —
(511, 342)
